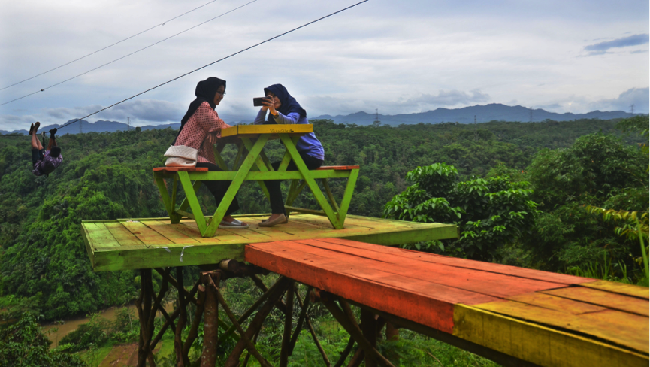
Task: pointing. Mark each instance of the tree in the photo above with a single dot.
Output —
(490, 213)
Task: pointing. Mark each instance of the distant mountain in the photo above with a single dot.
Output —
(465, 115)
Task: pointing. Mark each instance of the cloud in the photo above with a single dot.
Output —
(449, 98)
(635, 96)
(601, 47)
(145, 109)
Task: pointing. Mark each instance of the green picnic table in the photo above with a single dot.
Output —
(251, 164)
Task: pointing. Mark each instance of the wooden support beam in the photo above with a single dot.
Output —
(143, 305)
(301, 318)
(254, 307)
(344, 354)
(181, 359)
(288, 325)
(346, 319)
(211, 322)
(369, 330)
(254, 327)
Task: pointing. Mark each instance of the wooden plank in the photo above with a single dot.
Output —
(629, 289)
(602, 298)
(337, 168)
(472, 264)
(273, 129)
(176, 169)
(427, 303)
(99, 236)
(122, 235)
(622, 328)
(491, 284)
(145, 234)
(163, 256)
(170, 233)
(537, 343)
(540, 299)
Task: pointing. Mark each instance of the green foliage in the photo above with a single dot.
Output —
(23, 344)
(596, 165)
(490, 212)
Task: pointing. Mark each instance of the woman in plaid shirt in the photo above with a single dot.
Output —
(44, 161)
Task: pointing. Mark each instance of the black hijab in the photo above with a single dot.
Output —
(204, 92)
(288, 103)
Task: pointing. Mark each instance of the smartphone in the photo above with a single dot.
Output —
(258, 101)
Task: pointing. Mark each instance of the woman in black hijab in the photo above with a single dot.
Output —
(200, 128)
(284, 109)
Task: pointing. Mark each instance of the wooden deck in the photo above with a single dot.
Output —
(540, 317)
(155, 242)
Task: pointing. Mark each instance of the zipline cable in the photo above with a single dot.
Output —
(111, 45)
(132, 53)
(214, 62)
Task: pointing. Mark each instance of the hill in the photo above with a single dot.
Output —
(465, 115)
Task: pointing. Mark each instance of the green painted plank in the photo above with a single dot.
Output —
(235, 184)
(190, 196)
(122, 235)
(309, 178)
(164, 257)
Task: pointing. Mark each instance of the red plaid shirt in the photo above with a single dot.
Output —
(203, 122)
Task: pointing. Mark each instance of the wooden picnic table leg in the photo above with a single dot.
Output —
(262, 164)
(347, 195)
(216, 151)
(306, 174)
(160, 182)
(186, 203)
(235, 184)
(190, 197)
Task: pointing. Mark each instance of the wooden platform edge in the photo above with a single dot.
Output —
(537, 343)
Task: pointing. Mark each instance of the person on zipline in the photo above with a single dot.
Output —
(44, 161)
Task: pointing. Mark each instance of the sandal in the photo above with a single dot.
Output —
(270, 223)
(36, 126)
(31, 129)
(235, 224)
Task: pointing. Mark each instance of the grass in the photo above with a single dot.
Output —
(94, 356)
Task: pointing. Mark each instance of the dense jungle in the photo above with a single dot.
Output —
(568, 197)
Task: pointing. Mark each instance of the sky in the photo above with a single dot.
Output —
(394, 56)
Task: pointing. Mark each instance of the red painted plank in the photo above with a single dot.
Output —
(418, 300)
(176, 169)
(461, 263)
(337, 168)
(489, 283)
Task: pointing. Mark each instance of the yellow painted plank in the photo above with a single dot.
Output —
(170, 233)
(99, 236)
(268, 129)
(537, 343)
(602, 298)
(122, 235)
(543, 300)
(145, 234)
(629, 289)
(618, 327)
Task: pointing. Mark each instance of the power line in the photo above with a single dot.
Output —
(111, 45)
(214, 62)
(132, 53)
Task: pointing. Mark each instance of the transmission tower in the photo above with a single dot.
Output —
(632, 109)
(376, 122)
(128, 124)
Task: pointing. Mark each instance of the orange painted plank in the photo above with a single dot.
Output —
(418, 300)
(337, 168)
(620, 288)
(622, 328)
(604, 299)
(489, 283)
(557, 303)
(463, 263)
